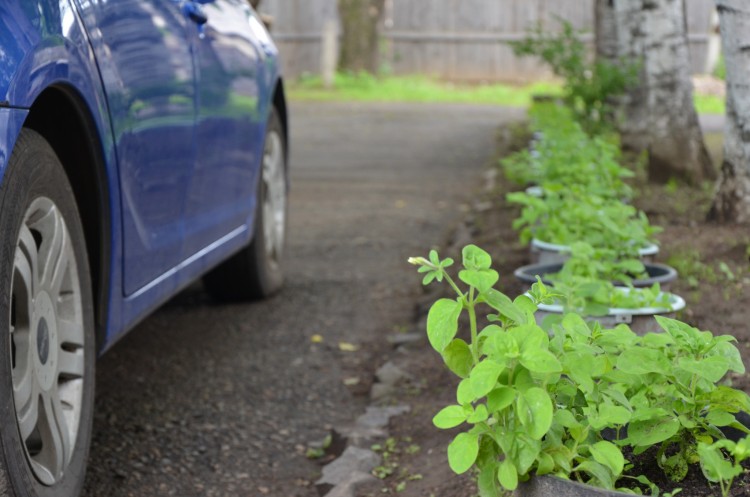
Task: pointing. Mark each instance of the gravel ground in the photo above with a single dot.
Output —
(209, 400)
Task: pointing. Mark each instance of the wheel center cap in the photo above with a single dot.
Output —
(46, 363)
(42, 340)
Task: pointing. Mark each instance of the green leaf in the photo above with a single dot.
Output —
(597, 471)
(574, 324)
(729, 399)
(503, 347)
(462, 452)
(525, 304)
(508, 475)
(458, 358)
(713, 464)
(484, 376)
(502, 304)
(609, 455)
(475, 258)
(675, 467)
(741, 450)
(657, 340)
(546, 464)
(540, 361)
(640, 361)
(729, 352)
(527, 451)
(449, 417)
(442, 323)
(565, 418)
(479, 415)
(720, 418)
(652, 431)
(523, 413)
(614, 415)
(529, 336)
(711, 368)
(540, 412)
(522, 379)
(482, 280)
(464, 392)
(487, 481)
(500, 398)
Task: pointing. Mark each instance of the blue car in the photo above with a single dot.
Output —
(143, 145)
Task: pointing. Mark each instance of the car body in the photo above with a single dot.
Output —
(160, 113)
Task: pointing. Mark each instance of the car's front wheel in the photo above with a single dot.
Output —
(47, 345)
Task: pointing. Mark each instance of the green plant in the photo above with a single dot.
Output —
(565, 216)
(536, 404)
(690, 266)
(593, 297)
(717, 468)
(562, 155)
(601, 264)
(589, 86)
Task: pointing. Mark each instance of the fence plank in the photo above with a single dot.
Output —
(454, 39)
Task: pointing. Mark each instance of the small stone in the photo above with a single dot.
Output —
(354, 459)
(356, 484)
(362, 436)
(390, 374)
(378, 417)
(380, 391)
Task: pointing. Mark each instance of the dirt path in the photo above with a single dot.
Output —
(210, 400)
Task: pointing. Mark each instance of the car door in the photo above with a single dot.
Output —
(230, 124)
(146, 61)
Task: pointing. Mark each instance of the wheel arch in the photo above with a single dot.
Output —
(60, 115)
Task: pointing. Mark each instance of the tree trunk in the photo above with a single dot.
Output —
(605, 29)
(360, 21)
(732, 198)
(659, 115)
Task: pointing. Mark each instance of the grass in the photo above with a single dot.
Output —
(709, 104)
(367, 88)
(364, 87)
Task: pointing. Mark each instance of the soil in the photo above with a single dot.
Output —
(714, 280)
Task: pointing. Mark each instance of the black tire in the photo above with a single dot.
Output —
(254, 273)
(34, 172)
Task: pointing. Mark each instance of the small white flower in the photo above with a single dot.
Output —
(419, 261)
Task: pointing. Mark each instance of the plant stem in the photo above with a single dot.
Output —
(452, 284)
(473, 327)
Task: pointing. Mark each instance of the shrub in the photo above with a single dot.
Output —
(589, 86)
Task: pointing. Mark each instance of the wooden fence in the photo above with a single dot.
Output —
(453, 39)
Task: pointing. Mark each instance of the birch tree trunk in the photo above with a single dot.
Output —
(360, 20)
(659, 115)
(732, 198)
(605, 29)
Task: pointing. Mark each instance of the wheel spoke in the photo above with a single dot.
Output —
(71, 363)
(54, 252)
(23, 385)
(55, 436)
(28, 418)
(24, 283)
(27, 254)
(69, 332)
